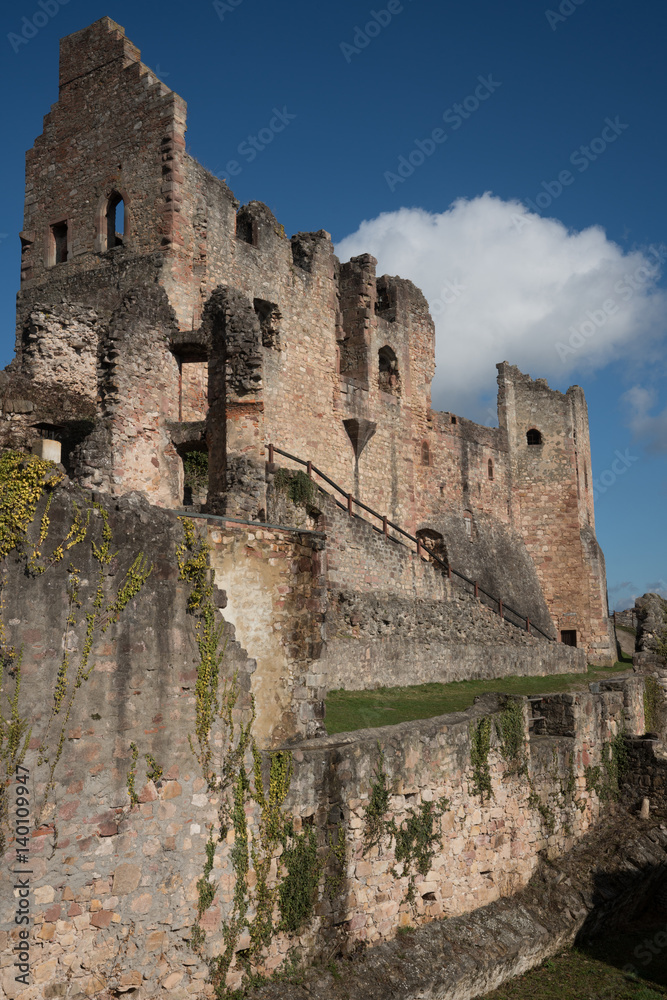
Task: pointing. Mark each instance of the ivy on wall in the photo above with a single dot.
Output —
(24, 481)
(287, 864)
(415, 839)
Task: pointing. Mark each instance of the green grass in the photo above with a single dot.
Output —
(608, 970)
(349, 710)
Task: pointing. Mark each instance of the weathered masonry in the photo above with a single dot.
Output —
(139, 876)
(158, 317)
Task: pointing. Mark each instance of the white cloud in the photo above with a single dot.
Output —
(649, 428)
(506, 284)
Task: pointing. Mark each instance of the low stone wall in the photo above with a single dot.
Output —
(388, 641)
(115, 888)
(468, 956)
(357, 665)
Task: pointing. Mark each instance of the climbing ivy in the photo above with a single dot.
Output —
(653, 702)
(262, 837)
(604, 779)
(510, 730)
(416, 838)
(480, 745)
(377, 807)
(131, 775)
(25, 480)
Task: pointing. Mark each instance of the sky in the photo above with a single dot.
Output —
(508, 158)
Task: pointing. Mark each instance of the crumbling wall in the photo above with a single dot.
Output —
(651, 639)
(103, 923)
(275, 583)
(60, 348)
(131, 448)
(235, 419)
(553, 505)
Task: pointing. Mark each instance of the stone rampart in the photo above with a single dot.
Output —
(116, 887)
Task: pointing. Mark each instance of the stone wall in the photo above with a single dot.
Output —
(276, 602)
(389, 642)
(608, 877)
(114, 887)
(553, 504)
(651, 639)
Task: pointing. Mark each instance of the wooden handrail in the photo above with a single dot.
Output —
(421, 547)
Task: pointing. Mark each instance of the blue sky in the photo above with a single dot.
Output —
(561, 116)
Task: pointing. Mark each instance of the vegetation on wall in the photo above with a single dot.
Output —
(296, 486)
(480, 745)
(276, 868)
(195, 471)
(604, 778)
(653, 705)
(415, 839)
(25, 480)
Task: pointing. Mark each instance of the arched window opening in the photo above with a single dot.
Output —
(454, 420)
(426, 453)
(115, 216)
(388, 374)
(467, 524)
(534, 436)
(490, 468)
(435, 543)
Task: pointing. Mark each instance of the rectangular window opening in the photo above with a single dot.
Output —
(59, 242)
(568, 636)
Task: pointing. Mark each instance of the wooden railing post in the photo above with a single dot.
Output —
(385, 528)
(449, 571)
(309, 469)
(476, 589)
(500, 607)
(349, 503)
(419, 548)
(527, 624)
(271, 454)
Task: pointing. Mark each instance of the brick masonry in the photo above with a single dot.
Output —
(323, 358)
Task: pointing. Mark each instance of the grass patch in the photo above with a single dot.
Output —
(350, 710)
(597, 973)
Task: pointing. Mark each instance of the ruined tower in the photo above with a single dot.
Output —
(157, 317)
